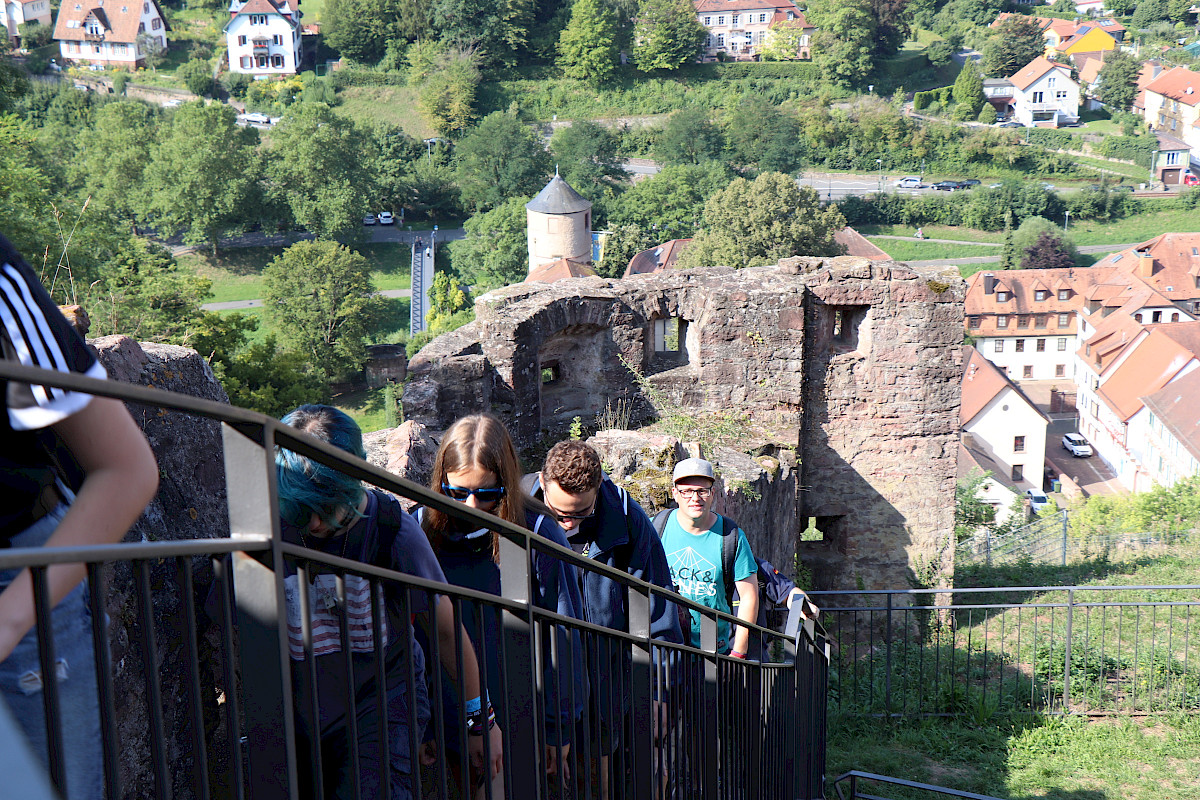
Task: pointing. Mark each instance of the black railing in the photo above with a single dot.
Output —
(1043, 649)
(232, 726)
(854, 778)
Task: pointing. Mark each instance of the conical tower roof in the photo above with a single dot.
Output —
(558, 198)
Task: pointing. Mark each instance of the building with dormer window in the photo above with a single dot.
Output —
(18, 12)
(106, 32)
(741, 28)
(263, 37)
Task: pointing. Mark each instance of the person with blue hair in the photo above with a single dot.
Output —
(330, 512)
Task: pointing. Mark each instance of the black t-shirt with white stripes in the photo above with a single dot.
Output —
(33, 332)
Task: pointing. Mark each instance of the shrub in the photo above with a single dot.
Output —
(119, 81)
(987, 114)
(35, 35)
(236, 83)
(1138, 149)
(1048, 137)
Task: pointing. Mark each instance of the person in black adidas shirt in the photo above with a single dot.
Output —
(48, 436)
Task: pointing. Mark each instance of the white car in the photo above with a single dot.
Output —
(1037, 500)
(910, 182)
(1077, 445)
(387, 218)
(370, 219)
(257, 118)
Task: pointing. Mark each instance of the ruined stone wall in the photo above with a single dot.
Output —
(852, 365)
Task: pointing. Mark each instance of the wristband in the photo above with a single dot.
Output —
(474, 705)
(478, 723)
(736, 654)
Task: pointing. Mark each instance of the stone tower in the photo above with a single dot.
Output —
(559, 224)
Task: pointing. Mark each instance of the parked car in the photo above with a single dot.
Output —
(1077, 445)
(1190, 180)
(1009, 124)
(1037, 500)
(995, 185)
(969, 183)
(257, 118)
(948, 186)
(370, 219)
(387, 218)
(1049, 187)
(909, 182)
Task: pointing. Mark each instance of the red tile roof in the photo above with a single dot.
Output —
(263, 7)
(657, 258)
(1178, 83)
(1025, 77)
(119, 19)
(559, 270)
(1155, 361)
(982, 381)
(858, 245)
(724, 6)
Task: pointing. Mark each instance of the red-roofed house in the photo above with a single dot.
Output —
(741, 28)
(999, 421)
(1044, 94)
(106, 31)
(1119, 370)
(656, 259)
(1169, 448)
(1172, 107)
(263, 37)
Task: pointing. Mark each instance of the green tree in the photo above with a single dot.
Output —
(201, 174)
(145, 295)
(667, 34)
(498, 28)
(112, 157)
(197, 76)
(587, 153)
(498, 159)
(429, 188)
(13, 84)
(258, 375)
(1047, 252)
(1118, 79)
(1046, 239)
(447, 302)
(939, 52)
(893, 24)
(447, 88)
(690, 137)
(987, 114)
(669, 205)
(1018, 40)
(748, 224)
(495, 250)
(1120, 8)
(968, 87)
(1148, 12)
(623, 243)
(318, 169)
(765, 137)
(360, 29)
(845, 40)
(971, 513)
(152, 49)
(34, 34)
(320, 298)
(783, 43)
(1178, 10)
(587, 47)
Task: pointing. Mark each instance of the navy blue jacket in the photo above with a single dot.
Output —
(467, 562)
(620, 535)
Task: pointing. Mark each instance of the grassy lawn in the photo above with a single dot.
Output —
(934, 232)
(1128, 170)
(1135, 229)
(310, 10)
(236, 273)
(903, 250)
(365, 407)
(393, 104)
(1026, 756)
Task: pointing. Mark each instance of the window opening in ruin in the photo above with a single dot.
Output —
(847, 324)
(822, 529)
(670, 335)
(550, 374)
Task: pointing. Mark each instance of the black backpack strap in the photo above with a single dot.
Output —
(660, 520)
(729, 544)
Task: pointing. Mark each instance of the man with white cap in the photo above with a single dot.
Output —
(709, 556)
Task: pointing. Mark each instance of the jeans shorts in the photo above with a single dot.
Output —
(79, 705)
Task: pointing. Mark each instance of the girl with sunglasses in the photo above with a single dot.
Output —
(477, 465)
(326, 510)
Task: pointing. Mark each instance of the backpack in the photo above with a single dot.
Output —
(729, 543)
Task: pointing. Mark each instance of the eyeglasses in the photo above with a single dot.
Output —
(561, 517)
(702, 494)
(491, 494)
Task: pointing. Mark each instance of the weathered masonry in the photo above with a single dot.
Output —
(852, 365)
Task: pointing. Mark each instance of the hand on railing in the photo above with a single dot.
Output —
(557, 766)
(494, 754)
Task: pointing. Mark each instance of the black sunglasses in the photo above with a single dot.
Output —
(491, 494)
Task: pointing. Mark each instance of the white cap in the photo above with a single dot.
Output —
(693, 468)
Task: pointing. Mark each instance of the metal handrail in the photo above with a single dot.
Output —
(855, 775)
(255, 532)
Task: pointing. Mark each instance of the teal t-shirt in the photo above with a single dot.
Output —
(695, 562)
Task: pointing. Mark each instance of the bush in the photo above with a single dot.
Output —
(1138, 149)
(236, 83)
(1048, 137)
(987, 114)
(118, 84)
(35, 35)
(197, 76)
(368, 77)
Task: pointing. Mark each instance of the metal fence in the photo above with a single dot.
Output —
(1047, 540)
(726, 728)
(1079, 649)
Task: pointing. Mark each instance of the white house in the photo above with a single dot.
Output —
(263, 37)
(17, 12)
(1000, 422)
(740, 28)
(1120, 366)
(1168, 431)
(1044, 94)
(106, 32)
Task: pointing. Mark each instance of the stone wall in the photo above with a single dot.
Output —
(852, 366)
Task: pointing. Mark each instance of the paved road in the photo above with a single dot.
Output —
(1091, 474)
(233, 305)
(939, 241)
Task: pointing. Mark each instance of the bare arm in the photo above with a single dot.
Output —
(121, 478)
(747, 611)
